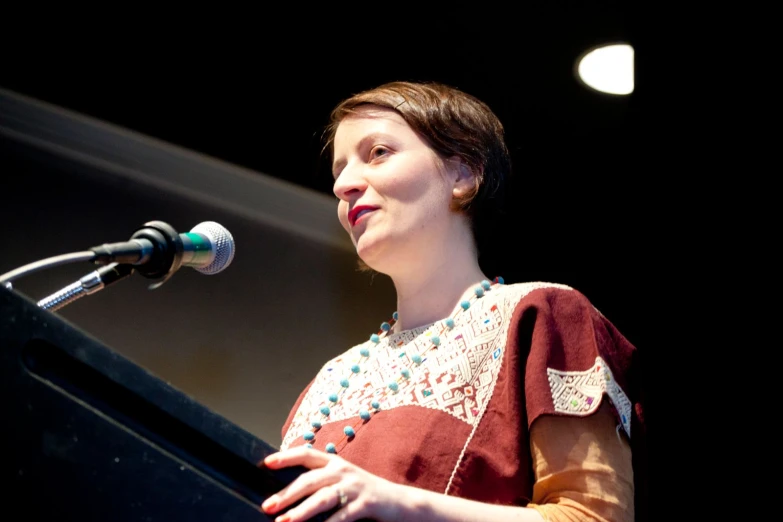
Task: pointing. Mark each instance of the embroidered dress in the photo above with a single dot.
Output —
(453, 415)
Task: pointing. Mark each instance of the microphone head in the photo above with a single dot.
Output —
(222, 242)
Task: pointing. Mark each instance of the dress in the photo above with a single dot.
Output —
(458, 422)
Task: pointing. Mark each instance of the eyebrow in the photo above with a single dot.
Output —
(339, 165)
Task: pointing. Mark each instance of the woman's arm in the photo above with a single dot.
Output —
(583, 468)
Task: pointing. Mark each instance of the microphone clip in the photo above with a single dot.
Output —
(155, 250)
(166, 256)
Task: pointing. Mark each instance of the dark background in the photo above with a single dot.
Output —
(256, 88)
(259, 96)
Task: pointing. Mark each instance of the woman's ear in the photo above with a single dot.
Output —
(463, 178)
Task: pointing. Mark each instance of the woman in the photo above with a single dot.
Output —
(476, 400)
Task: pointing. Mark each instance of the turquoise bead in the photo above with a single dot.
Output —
(325, 410)
(465, 305)
(486, 285)
(349, 431)
(500, 280)
(416, 358)
(364, 414)
(406, 373)
(435, 340)
(374, 338)
(333, 397)
(355, 368)
(385, 326)
(376, 405)
(478, 291)
(316, 425)
(393, 386)
(309, 435)
(395, 316)
(309, 445)
(344, 383)
(450, 322)
(365, 352)
(331, 448)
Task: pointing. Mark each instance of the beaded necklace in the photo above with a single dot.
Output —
(365, 414)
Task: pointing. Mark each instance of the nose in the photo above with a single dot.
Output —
(350, 183)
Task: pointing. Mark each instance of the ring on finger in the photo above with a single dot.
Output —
(342, 498)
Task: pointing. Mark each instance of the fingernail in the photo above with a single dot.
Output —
(269, 504)
(283, 518)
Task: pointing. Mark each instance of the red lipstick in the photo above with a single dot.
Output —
(354, 213)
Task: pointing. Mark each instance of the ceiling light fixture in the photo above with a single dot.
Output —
(607, 68)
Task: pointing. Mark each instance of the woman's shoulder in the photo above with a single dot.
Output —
(547, 297)
(537, 290)
(529, 286)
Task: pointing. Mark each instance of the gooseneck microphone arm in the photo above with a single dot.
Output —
(89, 284)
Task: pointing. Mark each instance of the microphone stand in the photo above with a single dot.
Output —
(88, 284)
(155, 251)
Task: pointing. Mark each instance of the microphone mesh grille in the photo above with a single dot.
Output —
(223, 243)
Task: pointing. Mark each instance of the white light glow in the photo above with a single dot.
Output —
(608, 69)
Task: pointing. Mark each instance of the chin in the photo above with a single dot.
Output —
(370, 253)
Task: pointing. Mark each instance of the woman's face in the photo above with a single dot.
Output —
(394, 190)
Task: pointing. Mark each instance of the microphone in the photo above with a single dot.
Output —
(157, 250)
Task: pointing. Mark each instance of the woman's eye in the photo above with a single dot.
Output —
(378, 151)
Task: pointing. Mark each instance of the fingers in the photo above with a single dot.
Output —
(319, 489)
(324, 500)
(306, 484)
(347, 510)
(300, 456)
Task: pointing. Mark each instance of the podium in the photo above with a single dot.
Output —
(89, 435)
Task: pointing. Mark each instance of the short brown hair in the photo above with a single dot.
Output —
(453, 123)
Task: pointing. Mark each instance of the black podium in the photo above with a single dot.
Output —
(88, 435)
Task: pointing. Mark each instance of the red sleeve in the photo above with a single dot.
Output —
(567, 339)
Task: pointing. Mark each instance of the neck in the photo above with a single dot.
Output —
(434, 289)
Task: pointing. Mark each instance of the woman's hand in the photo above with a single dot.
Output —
(333, 483)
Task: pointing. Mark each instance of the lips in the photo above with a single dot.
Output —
(358, 212)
